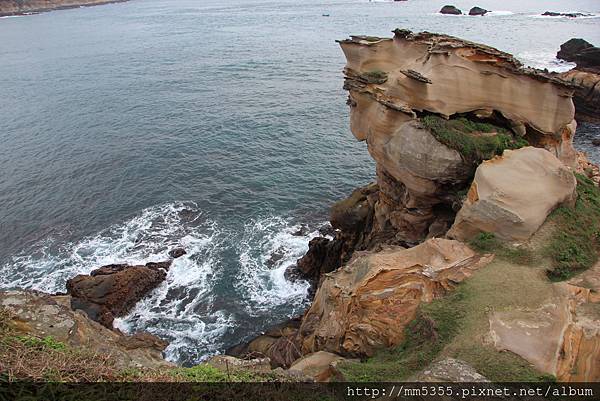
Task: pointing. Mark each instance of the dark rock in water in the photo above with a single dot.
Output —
(159, 265)
(301, 232)
(571, 48)
(177, 252)
(323, 256)
(450, 10)
(478, 11)
(596, 141)
(111, 291)
(275, 257)
(327, 230)
(589, 59)
(570, 15)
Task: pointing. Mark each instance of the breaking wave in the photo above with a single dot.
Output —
(545, 60)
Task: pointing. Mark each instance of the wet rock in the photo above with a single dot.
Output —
(448, 9)
(177, 253)
(323, 256)
(478, 11)
(111, 291)
(41, 315)
(302, 231)
(500, 198)
(327, 230)
(570, 15)
(571, 48)
(596, 141)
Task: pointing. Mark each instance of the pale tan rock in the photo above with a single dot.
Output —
(41, 315)
(587, 94)
(587, 168)
(227, 362)
(365, 305)
(449, 370)
(511, 195)
(561, 337)
(321, 366)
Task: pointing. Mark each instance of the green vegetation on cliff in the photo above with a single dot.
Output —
(575, 243)
(475, 141)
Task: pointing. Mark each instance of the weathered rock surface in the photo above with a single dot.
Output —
(449, 370)
(587, 93)
(16, 7)
(562, 337)
(111, 291)
(571, 48)
(227, 362)
(478, 11)
(367, 304)
(512, 195)
(587, 168)
(41, 315)
(418, 177)
(448, 9)
(321, 366)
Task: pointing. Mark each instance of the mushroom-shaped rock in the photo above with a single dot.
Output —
(478, 11)
(448, 9)
(511, 195)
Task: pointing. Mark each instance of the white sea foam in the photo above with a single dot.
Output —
(269, 246)
(544, 60)
(498, 13)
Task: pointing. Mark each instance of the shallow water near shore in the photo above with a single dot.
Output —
(132, 128)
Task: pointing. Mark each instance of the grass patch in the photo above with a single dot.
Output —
(575, 242)
(488, 243)
(466, 137)
(375, 77)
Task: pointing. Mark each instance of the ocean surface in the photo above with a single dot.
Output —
(220, 126)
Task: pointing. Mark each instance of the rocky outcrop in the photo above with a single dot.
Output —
(366, 305)
(111, 291)
(421, 172)
(42, 315)
(562, 337)
(569, 15)
(585, 77)
(478, 11)
(449, 370)
(512, 195)
(321, 366)
(448, 9)
(17, 7)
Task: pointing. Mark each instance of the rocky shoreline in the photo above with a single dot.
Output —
(26, 7)
(480, 236)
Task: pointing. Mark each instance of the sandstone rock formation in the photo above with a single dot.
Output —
(448, 9)
(112, 290)
(395, 84)
(321, 366)
(16, 7)
(562, 337)
(43, 315)
(367, 304)
(449, 370)
(512, 195)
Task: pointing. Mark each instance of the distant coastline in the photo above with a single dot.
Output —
(25, 7)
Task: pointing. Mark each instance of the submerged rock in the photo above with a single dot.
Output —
(511, 195)
(570, 15)
(448, 9)
(111, 291)
(478, 11)
(366, 305)
(177, 253)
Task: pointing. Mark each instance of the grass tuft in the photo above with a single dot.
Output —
(375, 77)
(575, 243)
(475, 141)
(488, 243)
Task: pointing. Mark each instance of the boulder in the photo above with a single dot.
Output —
(571, 48)
(450, 10)
(478, 11)
(366, 305)
(511, 195)
(177, 253)
(449, 370)
(226, 363)
(321, 366)
(42, 315)
(111, 291)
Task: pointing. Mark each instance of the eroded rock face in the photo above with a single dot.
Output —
(587, 93)
(111, 291)
(562, 337)
(449, 370)
(367, 304)
(321, 366)
(393, 83)
(512, 195)
(38, 314)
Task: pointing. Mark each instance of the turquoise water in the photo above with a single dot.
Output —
(131, 128)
